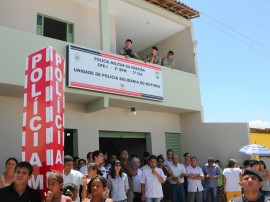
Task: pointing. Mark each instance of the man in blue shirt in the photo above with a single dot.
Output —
(211, 173)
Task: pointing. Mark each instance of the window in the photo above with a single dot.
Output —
(54, 28)
(173, 142)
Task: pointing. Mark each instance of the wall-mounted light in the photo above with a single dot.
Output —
(133, 110)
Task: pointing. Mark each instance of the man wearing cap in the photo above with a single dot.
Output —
(211, 173)
(168, 61)
(127, 51)
(251, 183)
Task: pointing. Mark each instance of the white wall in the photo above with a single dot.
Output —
(219, 140)
(10, 129)
(22, 15)
(88, 125)
(181, 44)
(115, 119)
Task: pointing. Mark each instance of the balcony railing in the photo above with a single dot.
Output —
(181, 90)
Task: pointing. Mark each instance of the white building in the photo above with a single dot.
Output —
(99, 120)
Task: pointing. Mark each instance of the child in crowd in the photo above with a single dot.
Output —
(71, 190)
(55, 184)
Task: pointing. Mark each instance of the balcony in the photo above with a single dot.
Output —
(181, 89)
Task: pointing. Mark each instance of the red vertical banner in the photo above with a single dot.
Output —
(43, 115)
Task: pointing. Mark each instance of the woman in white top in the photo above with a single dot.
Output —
(231, 180)
(8, 176)
(266, 178)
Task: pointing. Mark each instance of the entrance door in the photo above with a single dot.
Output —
(113, 142)
(71, 142)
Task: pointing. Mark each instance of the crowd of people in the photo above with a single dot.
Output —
(122, 178)
(152, 57)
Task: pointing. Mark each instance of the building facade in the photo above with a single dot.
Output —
(102, 120)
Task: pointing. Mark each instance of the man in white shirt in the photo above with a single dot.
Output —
(151, 180)
(177, 182)
(195, 176)
(72, 176)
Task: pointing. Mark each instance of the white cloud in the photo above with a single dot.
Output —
(259, 124)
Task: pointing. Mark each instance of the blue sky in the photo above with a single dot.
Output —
(233, 56)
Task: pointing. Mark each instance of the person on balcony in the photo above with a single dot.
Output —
(168, 61)
(153, 57)
(127, 51)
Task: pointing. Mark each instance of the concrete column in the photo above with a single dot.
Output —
(104, 25)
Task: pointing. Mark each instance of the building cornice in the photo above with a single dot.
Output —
(260, 130)
(176, 7)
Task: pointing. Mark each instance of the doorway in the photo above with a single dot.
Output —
(71, 142)
(135, 143)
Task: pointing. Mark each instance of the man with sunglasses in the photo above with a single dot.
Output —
(211, 173)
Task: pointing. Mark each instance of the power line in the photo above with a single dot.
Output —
(257, 8)
(246, 16)
(237, 32)
(234, 37)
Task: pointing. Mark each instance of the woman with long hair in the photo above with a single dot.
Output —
(7, 177)
(92, 171)
(118, 183)
(55, 185)
(97, 185)
(266, 178)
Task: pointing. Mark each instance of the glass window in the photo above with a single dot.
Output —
(54, 28)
